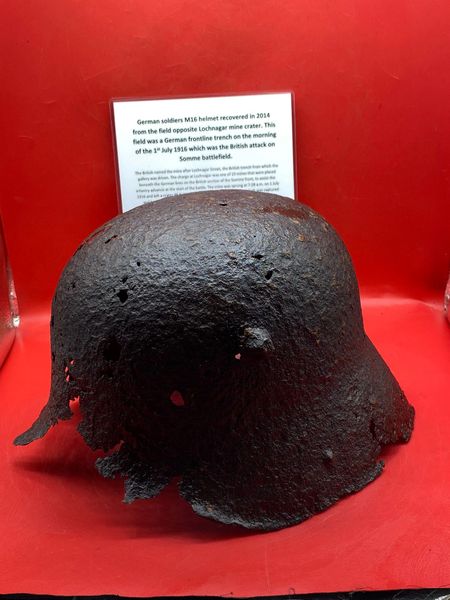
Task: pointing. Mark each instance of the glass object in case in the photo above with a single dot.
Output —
(9, 315)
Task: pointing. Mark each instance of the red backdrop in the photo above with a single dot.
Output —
(372, 99)
(372, 96)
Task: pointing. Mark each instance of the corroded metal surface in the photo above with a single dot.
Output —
(218, 337)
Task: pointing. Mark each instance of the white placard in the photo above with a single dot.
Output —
(180, 145)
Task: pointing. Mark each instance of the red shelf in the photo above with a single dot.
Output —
(64, 529)
(371, 83)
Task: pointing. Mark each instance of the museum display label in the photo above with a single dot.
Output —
(166, 147)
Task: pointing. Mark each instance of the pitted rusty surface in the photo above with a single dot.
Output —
(217, 337)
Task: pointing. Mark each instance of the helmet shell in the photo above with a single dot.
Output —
(218, 337)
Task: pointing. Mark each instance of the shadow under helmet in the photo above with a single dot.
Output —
(218, 337)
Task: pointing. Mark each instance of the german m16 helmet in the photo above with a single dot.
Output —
(218, 337)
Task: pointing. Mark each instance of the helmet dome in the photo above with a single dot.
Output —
(218, 337)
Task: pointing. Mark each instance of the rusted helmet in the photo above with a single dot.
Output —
(217, 337)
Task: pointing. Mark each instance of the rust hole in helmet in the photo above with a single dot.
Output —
(122, 295)
(177, 398)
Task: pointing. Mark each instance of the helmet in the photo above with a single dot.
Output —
(218, 337)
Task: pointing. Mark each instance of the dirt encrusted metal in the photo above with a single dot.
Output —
(217, 337)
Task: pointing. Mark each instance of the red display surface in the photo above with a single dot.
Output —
(65, 531)
(371, 83)
(372, 96)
